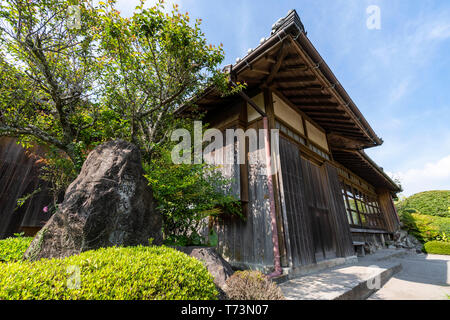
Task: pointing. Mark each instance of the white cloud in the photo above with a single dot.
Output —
(432, 176)
(400, 91)
(441, 32)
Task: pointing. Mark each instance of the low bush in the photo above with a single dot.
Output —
(437, 247)
(252, 285)
(116, 273)
(425, 228)
(12, 249)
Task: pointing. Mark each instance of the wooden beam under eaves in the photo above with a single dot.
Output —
(293, 67)
(305, 96)
(328, 113)
(339, 119)
(282, 53)
(260, 71)
(336, 124)
(311, 105)
(295, 80)
(301, 88)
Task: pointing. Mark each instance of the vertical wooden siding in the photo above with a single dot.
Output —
(249, 241)
(297, 222)
(324, 235)
(337, 206)
(313, 209)
(19, 177)
(387, 207)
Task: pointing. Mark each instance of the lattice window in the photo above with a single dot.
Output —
(363, 210)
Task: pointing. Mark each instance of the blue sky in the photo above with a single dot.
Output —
(398, 76)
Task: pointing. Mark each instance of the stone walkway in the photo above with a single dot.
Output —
(423, 277)
(352, 281)
(400, 273)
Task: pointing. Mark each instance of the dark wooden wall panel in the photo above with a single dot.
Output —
(317, 195)
(337, 206)
(19, 176)
(298, 224)
(387, 207)
(313, 209)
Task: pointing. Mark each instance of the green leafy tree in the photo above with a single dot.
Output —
(108, 77)
(48, 74)
(71, 87)
(156, 62)
(187, 195)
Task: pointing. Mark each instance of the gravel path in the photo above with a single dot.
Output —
(424, 277)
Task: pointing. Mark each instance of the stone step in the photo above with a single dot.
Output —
(355, 282)
(386, 254)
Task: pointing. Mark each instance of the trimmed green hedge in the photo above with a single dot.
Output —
(433, 203)
(12, 249)
(425, 228)
(437, 247)
(130, 273)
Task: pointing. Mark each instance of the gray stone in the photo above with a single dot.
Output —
(404, 240)
(108, 204)
(217, 266)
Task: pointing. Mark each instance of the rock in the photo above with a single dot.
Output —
(404, 240)
(108, 204)
(217, 266)
(370, 247)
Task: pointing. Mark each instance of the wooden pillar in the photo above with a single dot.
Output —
(268, 104)
(243, 167)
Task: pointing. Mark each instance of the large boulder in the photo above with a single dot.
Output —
(108, 204)
(217, 266)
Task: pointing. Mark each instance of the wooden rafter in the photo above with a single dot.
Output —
(301, 88)
(328, 113)
(306, 96)
(310, 105)
(335, 119)
(282, 53)
(296, 80)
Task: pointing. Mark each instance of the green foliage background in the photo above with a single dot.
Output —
(424, 227)
(432, 203)
(426, 216)
(188, 194)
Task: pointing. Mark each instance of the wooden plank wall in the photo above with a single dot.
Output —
(297, 222)
(313, 209)
(249, 241)
(19, 177)
(317, 193)
(337, 206)
(387, 207)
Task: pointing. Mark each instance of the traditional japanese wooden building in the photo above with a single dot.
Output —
(328, 195)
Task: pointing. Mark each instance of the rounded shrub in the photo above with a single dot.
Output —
(116, 273)
(437, 247)
(252, 285)
(13, 249)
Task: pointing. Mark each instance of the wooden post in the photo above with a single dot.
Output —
(268, 104)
